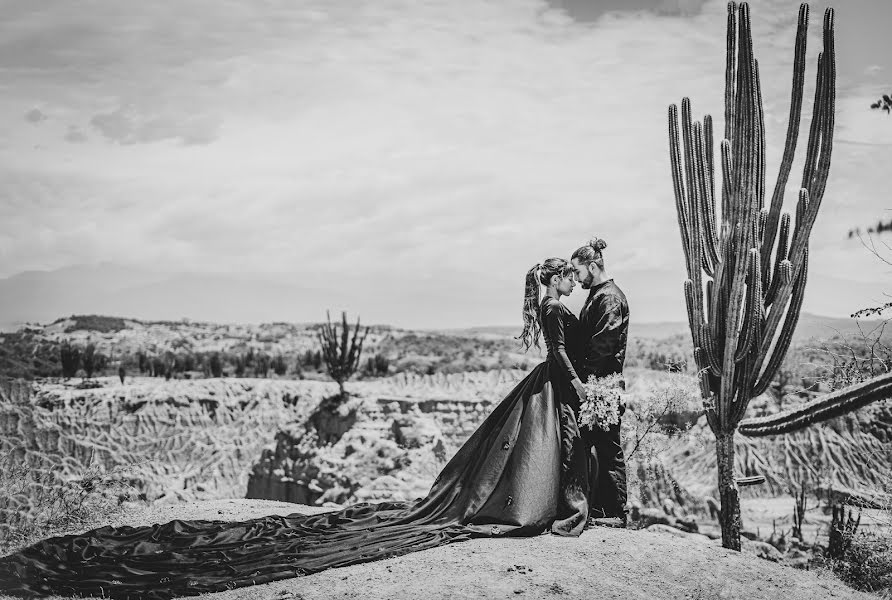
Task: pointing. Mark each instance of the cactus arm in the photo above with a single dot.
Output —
(760, 143)
(345, 332)
(786, 335)
(707, 202)
(678, 185)
(815, 143)
(730, 83)
(830, 113)
(727, 176)
(693, 321)
(827, 407)
(710, 178)
(760, 235)
(742, 143)
(777, 198)
(785, 289)
(705, 389)
(811, 155)
(732, 334)
(695, 260)
(699, 328)
(741, 218)
(714, 361)
(720, 297)
(352, 354)
(753, 318)
(781, 256)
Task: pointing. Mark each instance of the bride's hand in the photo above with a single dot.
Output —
(580, 389)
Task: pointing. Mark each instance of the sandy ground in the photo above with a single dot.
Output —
(602, 563)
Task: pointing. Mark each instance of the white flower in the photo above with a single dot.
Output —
(603, 400)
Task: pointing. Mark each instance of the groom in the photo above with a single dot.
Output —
(605, 323)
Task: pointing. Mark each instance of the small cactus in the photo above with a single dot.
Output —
(340, 353)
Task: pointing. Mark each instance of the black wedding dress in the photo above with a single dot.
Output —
(523, 472)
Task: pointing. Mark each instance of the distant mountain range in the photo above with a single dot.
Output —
(116, 290)
(809, 327)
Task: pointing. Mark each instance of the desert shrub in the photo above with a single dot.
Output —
(89, 359)
(70, 356)
(658, 361)
(26, 355)
(845, 360)
(377, 366)
(158, 366)
(215, 365)
(239, 369)
(279, 366)
(180, 343)
(672, 353)
(261, 364)
(98, 323)
(867, 563)
(37, 502)
(659, 415)
(186, 361)
(311, 359)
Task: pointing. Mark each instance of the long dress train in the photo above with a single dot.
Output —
(522, 472)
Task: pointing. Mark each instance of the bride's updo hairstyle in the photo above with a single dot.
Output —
(540, 274)
(591, 252)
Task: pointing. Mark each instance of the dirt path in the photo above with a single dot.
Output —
(602, 563)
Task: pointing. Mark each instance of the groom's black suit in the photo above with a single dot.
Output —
(605, 326)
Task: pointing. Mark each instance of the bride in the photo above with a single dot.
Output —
(522, 472)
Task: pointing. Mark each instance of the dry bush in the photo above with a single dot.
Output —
(867, 563)
(38, 501)
(848, 360)
(661, 414)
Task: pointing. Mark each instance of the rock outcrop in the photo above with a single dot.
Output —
(364, 449)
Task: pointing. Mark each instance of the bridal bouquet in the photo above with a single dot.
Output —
(603, 401)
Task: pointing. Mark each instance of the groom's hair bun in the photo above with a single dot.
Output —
(597, 243)
(591, 252)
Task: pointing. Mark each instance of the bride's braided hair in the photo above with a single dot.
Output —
(591, 252)
(540, 274)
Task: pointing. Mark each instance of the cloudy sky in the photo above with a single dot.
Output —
(428, 151)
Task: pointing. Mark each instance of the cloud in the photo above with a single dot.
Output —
(75, 135)
(379, 142)
(35, 115)
(125, 125)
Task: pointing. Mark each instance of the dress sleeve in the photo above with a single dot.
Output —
(553, 323)
(605, 340)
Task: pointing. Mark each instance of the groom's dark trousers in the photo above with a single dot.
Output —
(605, 324)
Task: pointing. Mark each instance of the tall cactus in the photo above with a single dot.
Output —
(742, 306)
